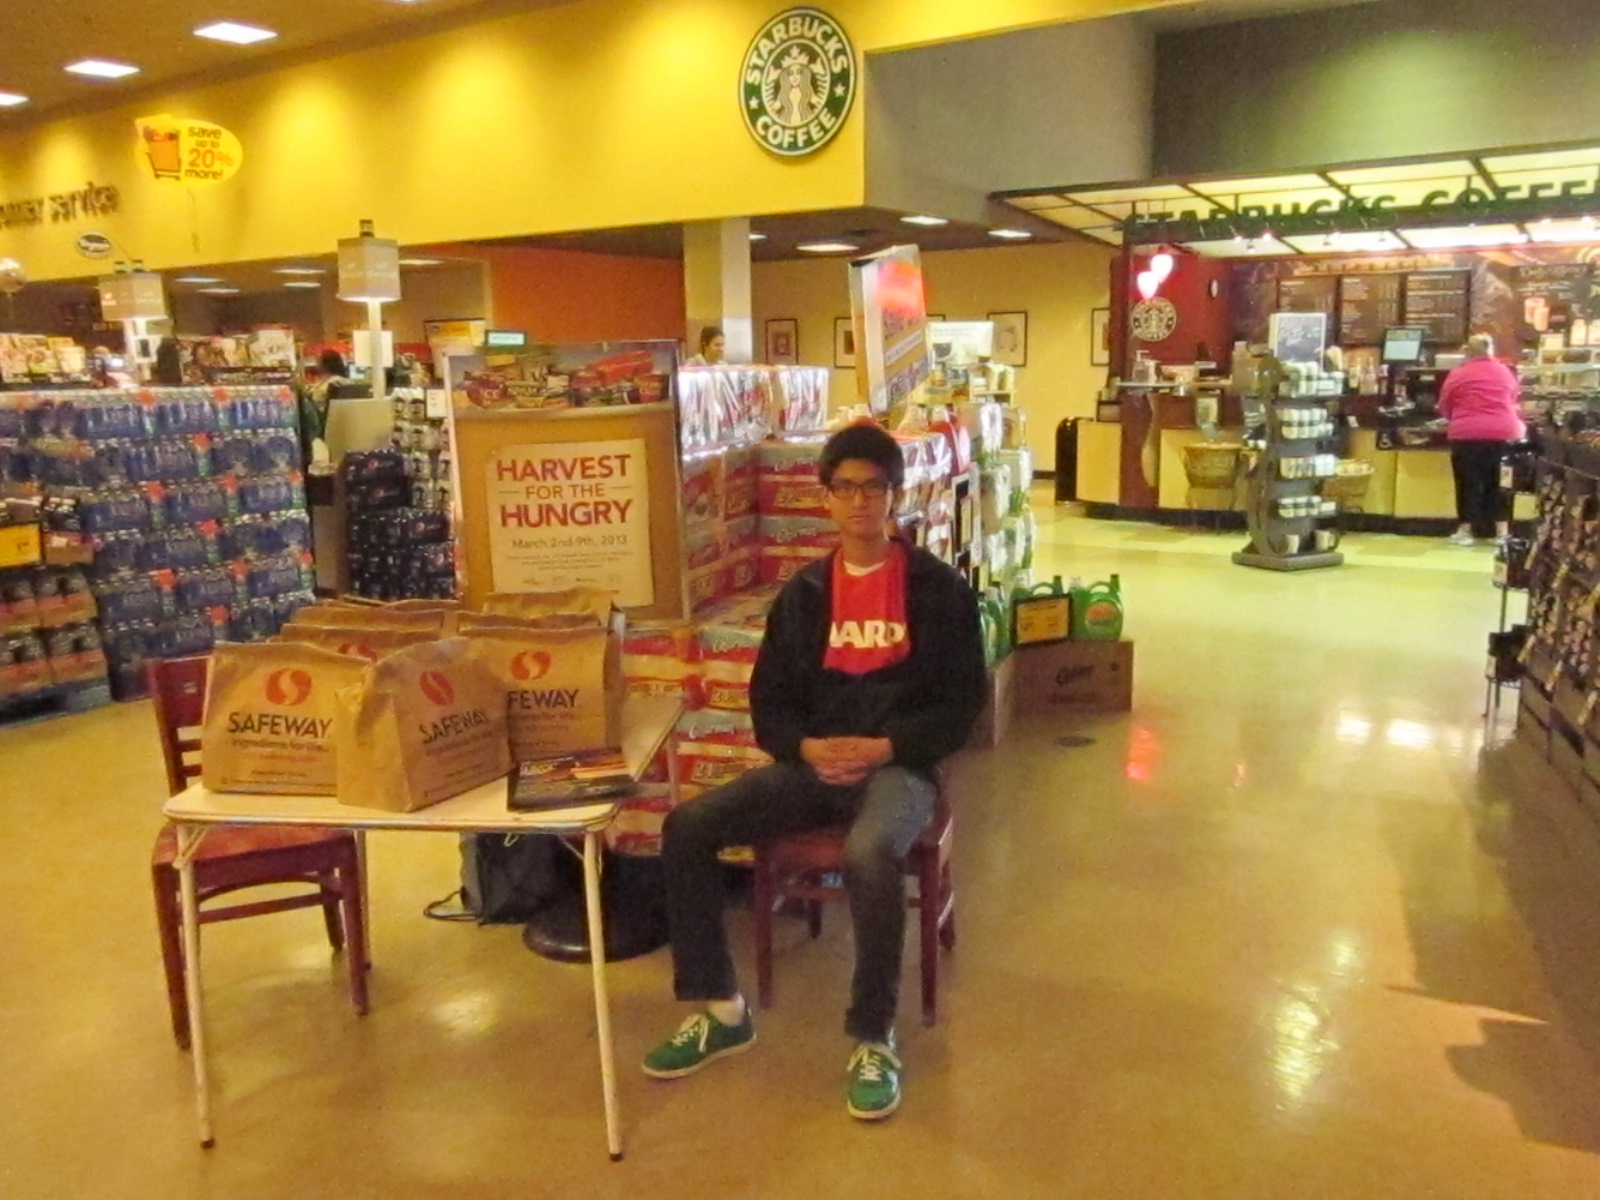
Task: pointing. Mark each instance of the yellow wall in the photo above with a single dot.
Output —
(586, 115)
(1056, 285)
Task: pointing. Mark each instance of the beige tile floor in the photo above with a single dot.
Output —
(1283, 931)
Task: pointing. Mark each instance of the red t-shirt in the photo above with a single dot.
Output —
(868, 629)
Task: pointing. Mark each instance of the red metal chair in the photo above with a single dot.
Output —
(805, 866)
(242, 856)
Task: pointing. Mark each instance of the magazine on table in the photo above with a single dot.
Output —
(565, 780)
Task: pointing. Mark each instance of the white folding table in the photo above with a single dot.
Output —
(647, 725)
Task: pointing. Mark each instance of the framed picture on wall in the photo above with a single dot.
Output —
(1099, 337)
(1010, 338)
(844, 343)
(783, 342)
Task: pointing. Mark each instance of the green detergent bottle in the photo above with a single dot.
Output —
(995, 604)
(1097, 610)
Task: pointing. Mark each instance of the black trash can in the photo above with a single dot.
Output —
(1067, 460)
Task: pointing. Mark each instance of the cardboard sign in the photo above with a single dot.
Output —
(1043, 619)
(571, 513)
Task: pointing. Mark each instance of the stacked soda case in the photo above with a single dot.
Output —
(186, 504)
(48, 636)
(721, 544)
(707, 663)
(739, 405)
(425, 442)
(398, 549)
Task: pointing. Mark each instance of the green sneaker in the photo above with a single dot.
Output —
(700, 1040)
(874, 1081)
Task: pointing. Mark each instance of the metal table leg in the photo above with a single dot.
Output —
(602, 1002)
(189, 839)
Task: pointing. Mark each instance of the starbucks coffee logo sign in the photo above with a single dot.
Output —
(798, 82)
(1153, 320)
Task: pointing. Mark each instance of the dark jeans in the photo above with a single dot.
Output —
(1479, 501)
(885, 815)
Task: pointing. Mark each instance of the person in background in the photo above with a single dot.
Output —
(871, 671)
(713, 348)
(168, 370)
(1479, 400)
(315, 398)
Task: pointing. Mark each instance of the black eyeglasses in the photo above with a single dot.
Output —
(848, 489)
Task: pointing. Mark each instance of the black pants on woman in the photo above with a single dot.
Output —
(1479, 501)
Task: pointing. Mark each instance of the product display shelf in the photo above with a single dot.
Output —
(178, 514)
(1557, 702)
(1286, 513)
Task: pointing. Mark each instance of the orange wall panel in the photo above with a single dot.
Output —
(569, 296)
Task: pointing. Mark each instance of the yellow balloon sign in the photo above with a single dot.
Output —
(195, 153)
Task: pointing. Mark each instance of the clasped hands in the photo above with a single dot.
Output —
(845, 761)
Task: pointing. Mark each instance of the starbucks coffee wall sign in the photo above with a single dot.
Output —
(798, 82)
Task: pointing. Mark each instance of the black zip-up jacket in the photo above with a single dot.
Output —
(925, 704)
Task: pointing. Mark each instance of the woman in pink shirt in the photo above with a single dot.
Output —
(1479, 399)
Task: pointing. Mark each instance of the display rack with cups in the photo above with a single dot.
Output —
(1289, 516)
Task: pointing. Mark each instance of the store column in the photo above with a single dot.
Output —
(716, 284)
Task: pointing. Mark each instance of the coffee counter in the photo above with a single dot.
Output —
(1414, 484)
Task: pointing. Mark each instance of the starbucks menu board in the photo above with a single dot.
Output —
(1437, 303)
(1309, 293)
(1368, 304)
(1552, 295)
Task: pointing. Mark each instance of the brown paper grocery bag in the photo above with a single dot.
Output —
(270, 709)
(423, 724)
(588, 602)
(369, 643)
(562, 688)
(370, 616)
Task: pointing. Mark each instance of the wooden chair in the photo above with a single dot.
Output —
(809, 867)
(243, 856)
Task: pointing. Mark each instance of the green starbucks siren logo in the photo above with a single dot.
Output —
(798, 82)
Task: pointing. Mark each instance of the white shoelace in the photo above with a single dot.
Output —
(694, 1029)
(869, 1059)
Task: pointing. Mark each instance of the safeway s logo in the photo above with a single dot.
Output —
(436, 687)
(288, 687)
(530, 665)
(357, 650)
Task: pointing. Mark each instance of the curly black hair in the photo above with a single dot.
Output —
(867, 442)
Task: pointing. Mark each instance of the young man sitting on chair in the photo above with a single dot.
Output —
(870, 672)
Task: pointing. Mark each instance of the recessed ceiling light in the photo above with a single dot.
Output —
(421, 262)
(920, 219)
(196, 279)
(827, 247)
(1010, 235)
(758, 237)
(302, 284)
(100, 68)
(220, 291)
(235, 33)
(12, 99)
(299, 270)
